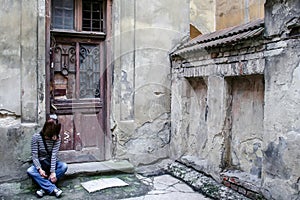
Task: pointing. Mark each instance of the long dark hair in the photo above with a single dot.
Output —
(51, 129)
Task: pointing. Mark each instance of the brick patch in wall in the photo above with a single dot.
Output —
(239, 185)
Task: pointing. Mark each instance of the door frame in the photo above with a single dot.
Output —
(107, 74)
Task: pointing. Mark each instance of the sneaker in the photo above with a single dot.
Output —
(40, 193)
(57, 192)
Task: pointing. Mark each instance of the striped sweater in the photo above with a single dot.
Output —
(39, 152)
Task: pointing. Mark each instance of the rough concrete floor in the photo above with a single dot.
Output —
(162, 187)
(72, 189)
(164, 181)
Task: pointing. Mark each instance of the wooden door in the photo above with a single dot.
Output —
(77, 82)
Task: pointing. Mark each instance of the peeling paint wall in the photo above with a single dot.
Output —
(282, 123)
(189, 111)
(282, 101)
(141, 92)
(198, 109)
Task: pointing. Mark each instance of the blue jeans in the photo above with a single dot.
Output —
(44, 183)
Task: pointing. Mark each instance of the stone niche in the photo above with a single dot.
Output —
(222, 126)
(245, 103)
(197, 117)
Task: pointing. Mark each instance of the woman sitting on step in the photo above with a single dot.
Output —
(46, 168)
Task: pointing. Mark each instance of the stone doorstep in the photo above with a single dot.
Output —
(110, 166)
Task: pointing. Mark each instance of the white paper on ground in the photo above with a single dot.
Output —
(102, 183)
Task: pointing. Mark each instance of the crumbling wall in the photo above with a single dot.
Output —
(281, 160)
(15, 147)
(190, 112)
(229, 122)
(253, 108)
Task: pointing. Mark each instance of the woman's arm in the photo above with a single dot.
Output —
(34, 151)
(55, 149)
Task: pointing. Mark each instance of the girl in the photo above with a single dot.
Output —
(46, 168)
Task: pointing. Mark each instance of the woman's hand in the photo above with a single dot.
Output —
(52, 177)
(42, 173)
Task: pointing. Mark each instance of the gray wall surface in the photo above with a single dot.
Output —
(282, 101)
(217, 108)
(143, 39)
(22, 66)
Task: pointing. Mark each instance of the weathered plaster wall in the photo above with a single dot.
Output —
(235, 12)
(282, 123)
(141, 86)
(10, 62)
(197, 109)
(247, 111)
(15, 148)
(253, 104)
(212, 103)
(282, 101)
(190, 98)
(203, 15)
(22, 63)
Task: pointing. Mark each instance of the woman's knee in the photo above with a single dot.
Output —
(31, 171)
(63, 166)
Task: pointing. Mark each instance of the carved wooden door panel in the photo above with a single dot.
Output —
(76, 96)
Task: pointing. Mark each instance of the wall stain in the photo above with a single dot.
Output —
(274, 164)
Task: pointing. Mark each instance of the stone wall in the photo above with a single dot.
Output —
(15, 147)
(22, 82)
(143, 38)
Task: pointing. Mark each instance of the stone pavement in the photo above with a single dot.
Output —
(158, 182)
(166, 187)
(162, 187)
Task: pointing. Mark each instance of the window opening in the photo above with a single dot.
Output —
(63, 14)
(78, 15)
(92, 16)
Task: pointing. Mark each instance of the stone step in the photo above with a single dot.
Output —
(110, 166)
